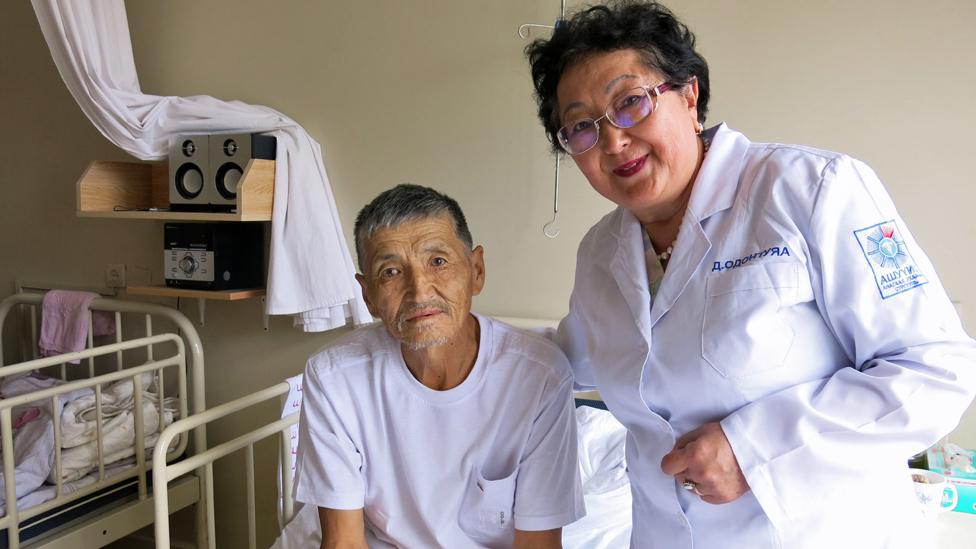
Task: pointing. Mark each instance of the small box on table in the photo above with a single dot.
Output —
(958, 465)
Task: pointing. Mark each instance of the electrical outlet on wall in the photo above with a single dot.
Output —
(115, 275)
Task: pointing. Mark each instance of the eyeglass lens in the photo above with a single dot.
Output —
(625, 111)
(630, 108)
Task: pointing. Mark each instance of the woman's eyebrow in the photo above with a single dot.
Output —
(610, 86)
(618, 79)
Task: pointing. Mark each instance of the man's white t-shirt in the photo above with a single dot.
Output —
(458, 468)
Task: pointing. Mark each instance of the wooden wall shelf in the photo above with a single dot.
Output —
(127, 190)
(220, 295)
(202, 296)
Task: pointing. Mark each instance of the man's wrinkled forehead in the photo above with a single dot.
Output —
(435, 233)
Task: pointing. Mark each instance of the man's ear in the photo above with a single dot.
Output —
(364, 287)
(478, 270)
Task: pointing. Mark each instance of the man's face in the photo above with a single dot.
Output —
(419, 279)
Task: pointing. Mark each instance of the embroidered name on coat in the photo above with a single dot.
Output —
(775, 251)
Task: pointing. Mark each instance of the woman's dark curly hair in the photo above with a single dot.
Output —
(664, 44)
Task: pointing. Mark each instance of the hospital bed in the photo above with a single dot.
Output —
(77, 438)
(602, 468)
(607, 495)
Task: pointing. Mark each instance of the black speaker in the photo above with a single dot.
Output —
(189, 173)
(229, 154)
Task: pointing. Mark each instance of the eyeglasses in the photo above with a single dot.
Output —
(625, 111)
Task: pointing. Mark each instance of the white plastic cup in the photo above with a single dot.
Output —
(935, 494)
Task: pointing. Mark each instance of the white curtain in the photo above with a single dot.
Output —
(310, 274)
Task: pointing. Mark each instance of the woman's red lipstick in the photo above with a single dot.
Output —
(630, 168)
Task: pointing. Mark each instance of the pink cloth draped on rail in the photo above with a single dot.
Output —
(64, 322)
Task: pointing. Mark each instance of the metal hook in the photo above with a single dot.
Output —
(549, 229)
(523, 30)
(547, 226)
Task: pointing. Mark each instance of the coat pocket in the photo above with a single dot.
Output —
(487, 509)
(743, 333)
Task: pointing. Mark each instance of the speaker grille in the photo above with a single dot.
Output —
(228, 176)
(189, 180)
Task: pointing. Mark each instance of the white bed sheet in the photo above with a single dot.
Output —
(606, 492)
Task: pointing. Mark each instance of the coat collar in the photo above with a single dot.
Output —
(714, 191)
(629, 268)
(717, 182)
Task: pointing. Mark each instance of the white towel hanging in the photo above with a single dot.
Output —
(311, 273)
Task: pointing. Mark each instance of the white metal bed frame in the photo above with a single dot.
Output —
(117, 519)
(169, 472)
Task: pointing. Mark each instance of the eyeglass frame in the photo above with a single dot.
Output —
(658, 90)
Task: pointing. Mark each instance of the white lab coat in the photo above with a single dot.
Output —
(776, 317)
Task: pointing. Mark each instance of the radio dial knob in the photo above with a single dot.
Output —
(188, 265)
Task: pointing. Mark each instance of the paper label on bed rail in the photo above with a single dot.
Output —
(291, 405)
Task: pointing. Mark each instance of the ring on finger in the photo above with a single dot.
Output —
(691, 486)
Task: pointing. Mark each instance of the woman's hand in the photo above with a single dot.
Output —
(704, 457)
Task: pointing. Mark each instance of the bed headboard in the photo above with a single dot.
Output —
(528, 323)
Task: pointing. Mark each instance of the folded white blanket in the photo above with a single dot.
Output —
(81, 460)
(34, 431)
(79, 418)
(79, 427)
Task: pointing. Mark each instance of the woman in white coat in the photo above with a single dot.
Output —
(757, 315)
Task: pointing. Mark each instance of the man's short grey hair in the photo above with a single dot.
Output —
(402, 203)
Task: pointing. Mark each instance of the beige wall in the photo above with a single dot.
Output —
(437, 93)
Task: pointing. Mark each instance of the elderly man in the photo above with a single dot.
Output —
(438, 427)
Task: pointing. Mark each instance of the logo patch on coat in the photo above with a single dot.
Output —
(887, 254)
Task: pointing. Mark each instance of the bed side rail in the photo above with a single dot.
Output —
(52, 397)
(165, 473)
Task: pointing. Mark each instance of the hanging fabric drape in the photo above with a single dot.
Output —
(310, 271)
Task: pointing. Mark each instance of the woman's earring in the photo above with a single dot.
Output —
(699, 129)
